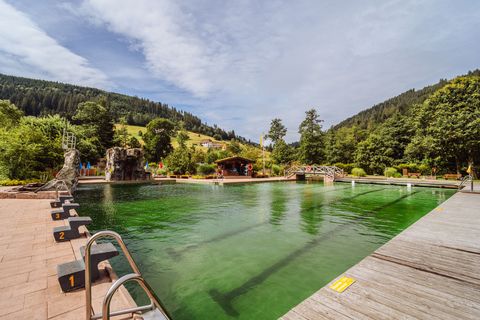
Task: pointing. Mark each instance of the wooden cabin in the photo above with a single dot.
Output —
(235, 167)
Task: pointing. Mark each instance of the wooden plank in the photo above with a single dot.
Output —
(411, 295)
(452, 263)
(364, 302)
(313, 311)
(427, 281)
(292, 315)
(337, 305)
(429, 271)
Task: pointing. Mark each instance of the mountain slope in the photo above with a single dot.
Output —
(379, 113)
(38, 97)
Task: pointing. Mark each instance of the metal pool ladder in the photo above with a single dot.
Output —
(466, 180)
(153, 311)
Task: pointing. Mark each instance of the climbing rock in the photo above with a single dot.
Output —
(124, 164)
(69, 173)
(71, 168)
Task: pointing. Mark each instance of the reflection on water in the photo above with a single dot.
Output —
(279, 204)
(249, 251)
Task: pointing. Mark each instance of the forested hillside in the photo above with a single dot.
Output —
(396, 132)
(39, 97)
(430, 131)
(399, 105)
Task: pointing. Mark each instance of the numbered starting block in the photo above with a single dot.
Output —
(61, 200)
(66, 233)
(71, 275)
(64, 211)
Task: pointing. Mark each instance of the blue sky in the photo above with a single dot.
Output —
(241, 63)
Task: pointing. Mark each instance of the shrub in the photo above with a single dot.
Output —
(206, 169)
(424, 169)
(412, 167)
(276, 170)
(14, 182)
(358, 172)
(180, 161)
(163, 171)
(390, 172)
(346, 167)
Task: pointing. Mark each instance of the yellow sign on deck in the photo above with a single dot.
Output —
(342, 284)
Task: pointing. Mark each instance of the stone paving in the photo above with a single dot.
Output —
(29, 256)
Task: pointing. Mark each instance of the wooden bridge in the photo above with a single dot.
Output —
(329, 172)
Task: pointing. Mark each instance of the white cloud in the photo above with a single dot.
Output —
(27, 50)
(241, 63)
(162, 32)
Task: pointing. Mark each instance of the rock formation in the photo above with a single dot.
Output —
(69, 173)
(124, 164)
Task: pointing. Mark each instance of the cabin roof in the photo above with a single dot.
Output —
(236, 158)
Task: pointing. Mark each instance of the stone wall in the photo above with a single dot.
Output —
(124, 164)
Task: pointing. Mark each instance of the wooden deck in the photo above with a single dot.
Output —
(429, 271)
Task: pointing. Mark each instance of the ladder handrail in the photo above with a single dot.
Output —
(146, 288)
(468, 178)
(88, 285)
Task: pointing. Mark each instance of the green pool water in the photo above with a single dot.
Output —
(249, 251)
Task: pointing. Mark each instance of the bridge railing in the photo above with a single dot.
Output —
(330, 171)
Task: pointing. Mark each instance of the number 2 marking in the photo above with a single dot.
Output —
(72, 282)
(62, 235)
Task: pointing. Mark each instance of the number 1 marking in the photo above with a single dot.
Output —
(71, 278)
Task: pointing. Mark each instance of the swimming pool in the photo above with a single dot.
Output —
(249, 251)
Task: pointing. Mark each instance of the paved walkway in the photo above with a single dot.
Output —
(29, 256)
(429, 271)
(101, 180)
(402, 181)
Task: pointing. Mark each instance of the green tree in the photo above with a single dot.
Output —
(134, 143)
(340, 144)
(32, 146)
(311, 149)
(385, 145)
(180, 161)
(282, 153)
(448, 123)
(121, 137)
(10, 115)
(234, 147)
(251, 153)
(157, 139)
(182, 138)
(199, 156)
(99, 120)
(277, 130)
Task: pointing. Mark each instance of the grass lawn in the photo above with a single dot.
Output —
(195, 138)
